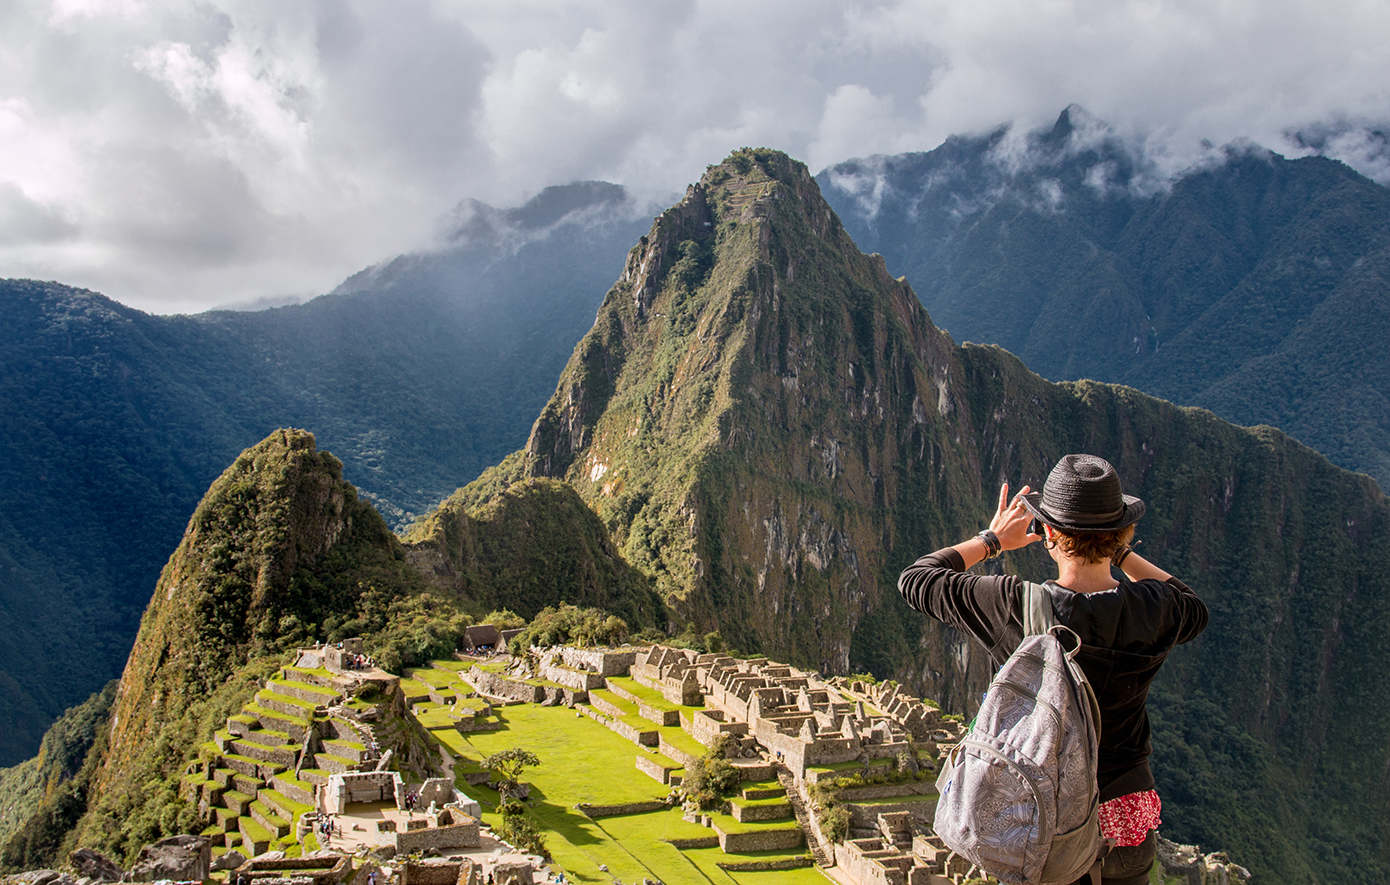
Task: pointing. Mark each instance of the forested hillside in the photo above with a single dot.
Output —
(1251, 285)
(772, 428)
(419, 373)
(279, 553)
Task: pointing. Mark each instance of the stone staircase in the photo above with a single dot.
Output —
(803, 816)
(260, 772)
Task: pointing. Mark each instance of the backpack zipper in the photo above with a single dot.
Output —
(1022, 775)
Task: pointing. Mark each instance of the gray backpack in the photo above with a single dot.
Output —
(1018, 794)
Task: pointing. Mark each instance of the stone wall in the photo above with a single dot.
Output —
(676, 689)
(588, 810)
(286, 784)
(459, 835)
(676, 754)
(711, 841)
(658, 770)
(604, 662)
(866, 862)
(303, 694)
(657, 715)
(756, 812)
(318, 870)
(605, 706)
(760, 840)
(451, 872)
(501, 687)
(878, 791)
(866, 816)
(762, 866)
(705, 724)
(578, 680)
(436, 790)
(361, 786)
(562, 696)
(642, 737)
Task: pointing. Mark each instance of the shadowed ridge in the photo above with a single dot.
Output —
(534, 545)
(745, 408)
(771, 428)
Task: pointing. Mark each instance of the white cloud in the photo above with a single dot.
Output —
(185, 153)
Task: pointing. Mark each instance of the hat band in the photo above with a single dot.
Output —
(1085, 518)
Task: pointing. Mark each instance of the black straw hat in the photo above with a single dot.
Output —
(1082, 494)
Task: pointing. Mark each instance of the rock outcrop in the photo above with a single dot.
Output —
(91, 865)
(771, 427)
(178, 858)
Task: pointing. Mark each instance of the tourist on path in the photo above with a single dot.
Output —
(1127, 625)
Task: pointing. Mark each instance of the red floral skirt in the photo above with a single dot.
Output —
(1129, 818)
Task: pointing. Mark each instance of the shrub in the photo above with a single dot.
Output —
(712, 777)
(517, 828)
(834, 823)
(571, 625)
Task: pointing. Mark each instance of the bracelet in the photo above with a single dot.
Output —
(1120, 555)
(991, 541)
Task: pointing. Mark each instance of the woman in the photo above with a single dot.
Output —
(1127, 625)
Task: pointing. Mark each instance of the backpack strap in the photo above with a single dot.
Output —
(1038, 617)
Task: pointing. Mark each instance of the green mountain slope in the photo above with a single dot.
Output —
(419, 373)
(1252, 285)
(771, 427)
(281, 552)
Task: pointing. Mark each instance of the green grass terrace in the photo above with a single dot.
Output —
(583, 762)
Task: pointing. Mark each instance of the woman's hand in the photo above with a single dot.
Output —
(1011, 520)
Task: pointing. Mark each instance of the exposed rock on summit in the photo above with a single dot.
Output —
(747, 404)
(771, 428)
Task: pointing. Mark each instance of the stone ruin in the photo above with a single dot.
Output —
(361, 786)
(805, 722)
(321, 869)
(444, 829)
(460, 871)
(333, 658)
(669, 671)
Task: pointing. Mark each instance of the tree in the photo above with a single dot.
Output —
(519, 830)
(712, 777)
(506, 767)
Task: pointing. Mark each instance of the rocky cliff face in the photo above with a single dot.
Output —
(747, 408)
(771, 427)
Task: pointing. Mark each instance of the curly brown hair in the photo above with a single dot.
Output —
(1094, 546)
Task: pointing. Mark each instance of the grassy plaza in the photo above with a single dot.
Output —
(583, 762)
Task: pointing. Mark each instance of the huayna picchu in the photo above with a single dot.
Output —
(762, 428)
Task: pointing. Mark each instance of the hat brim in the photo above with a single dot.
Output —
(1133, 510)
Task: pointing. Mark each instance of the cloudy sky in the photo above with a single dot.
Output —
(179, 155)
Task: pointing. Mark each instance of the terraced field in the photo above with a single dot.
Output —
(584, 762)
(257, 776)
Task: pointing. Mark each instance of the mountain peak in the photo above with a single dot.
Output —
(751, 379)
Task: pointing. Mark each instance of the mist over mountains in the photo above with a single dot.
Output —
(1251, 285)
(418, 373)
(768, 426)
(764, 426)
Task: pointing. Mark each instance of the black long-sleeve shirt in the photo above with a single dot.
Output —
(1126, 634)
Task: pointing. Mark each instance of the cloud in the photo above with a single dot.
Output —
(207, 151)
